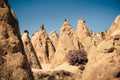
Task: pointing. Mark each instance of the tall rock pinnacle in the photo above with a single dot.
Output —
(68, 40)
(43, 45)
(54, 38)
(13, 61)
(30, 52)
(82, 30)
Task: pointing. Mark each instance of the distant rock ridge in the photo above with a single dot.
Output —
(13, 61)
(30, 52)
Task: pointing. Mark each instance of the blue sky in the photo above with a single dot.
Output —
(98, 14)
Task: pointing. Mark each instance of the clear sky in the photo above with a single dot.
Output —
(98, 14)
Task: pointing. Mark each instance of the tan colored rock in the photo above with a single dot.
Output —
(30, 52)
(89, 40)
(84, 34)
(43, 45)
(115, 25)
(104, 63)
(68, 40)
(13, 61)
(54, 38)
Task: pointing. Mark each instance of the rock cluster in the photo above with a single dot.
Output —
(19, 54)
(104, 61)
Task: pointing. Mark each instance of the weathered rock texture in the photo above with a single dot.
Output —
(54, 38)
(115, 27)
(89, 40)
(43, 46)
(13, 61)
(83, 34)
(29, 50)
(68, 40)
(104, 63)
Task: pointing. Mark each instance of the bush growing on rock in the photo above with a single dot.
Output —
(76, 57)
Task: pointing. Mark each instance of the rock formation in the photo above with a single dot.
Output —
(68, 40)
(54, 38)
(89, 40)
(104, 63)
(115, 27)
(84, 34)
(29, 50)
(13, 61)
(43, 46)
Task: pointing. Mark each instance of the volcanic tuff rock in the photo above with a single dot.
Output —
(13, 61)
(68, 40)
(115, 27)
(89, 40)
(29, 50)
(104, 63)
(54, 38)
(84, 34)
(43, 46)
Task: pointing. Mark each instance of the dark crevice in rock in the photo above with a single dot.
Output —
(118, 75)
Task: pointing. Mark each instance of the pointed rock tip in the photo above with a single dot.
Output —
(26, 31)
(117, 18)
(65, 19)
(53, 32)
(81, 20)
(42, 27)
(65, 23)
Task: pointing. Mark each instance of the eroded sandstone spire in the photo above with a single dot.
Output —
(54, 38)
(43, 45)
(68, 40)
(13, 61)
(30, 52)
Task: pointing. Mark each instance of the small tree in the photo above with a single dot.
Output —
(77, 57)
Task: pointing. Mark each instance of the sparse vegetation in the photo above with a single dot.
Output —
(76, 57)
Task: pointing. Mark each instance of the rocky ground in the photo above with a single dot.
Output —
(72, 55)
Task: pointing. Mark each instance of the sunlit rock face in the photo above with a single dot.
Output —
(68, 40)
(13, 61)
(104, 63)
(43, 45)
(30, 52)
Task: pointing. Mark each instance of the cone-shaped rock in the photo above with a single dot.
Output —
(83, 34)
(115, 27)
(68, 40)
(43, 45)
(13, 61)
(54, 38)
(29, 50)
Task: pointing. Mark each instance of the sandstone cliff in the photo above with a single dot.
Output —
(43, 45)
(13, 61)
(30, 52)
